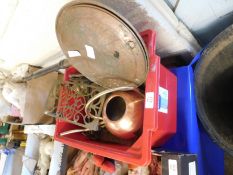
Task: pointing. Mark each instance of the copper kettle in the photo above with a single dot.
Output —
(123, 113)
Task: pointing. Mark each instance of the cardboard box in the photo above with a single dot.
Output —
(37, 100)
(176, 163)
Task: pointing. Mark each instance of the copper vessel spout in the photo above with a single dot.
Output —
(123, 113)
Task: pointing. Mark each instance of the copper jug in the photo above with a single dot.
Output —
(123, 113)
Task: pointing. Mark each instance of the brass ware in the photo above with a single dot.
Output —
(72, 100)
(106, 49)
(123, 113)
(101, 45)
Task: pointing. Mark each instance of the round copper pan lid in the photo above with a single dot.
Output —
(101, 45)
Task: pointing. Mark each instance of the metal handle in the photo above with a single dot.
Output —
(61, 65)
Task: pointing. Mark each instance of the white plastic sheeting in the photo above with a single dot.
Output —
(204, 18)
(27, 33)
(28, 36)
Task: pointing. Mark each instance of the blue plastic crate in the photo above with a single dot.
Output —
(191, 136)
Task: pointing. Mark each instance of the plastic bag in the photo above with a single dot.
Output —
(5, 106)
(15, 93)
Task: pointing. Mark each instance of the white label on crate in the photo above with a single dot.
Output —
(163, 100)
(90, 52)
(74, 53)
(149, 100)
(172, 167)
(192, 168)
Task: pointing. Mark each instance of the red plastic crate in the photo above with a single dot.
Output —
(157, 126)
